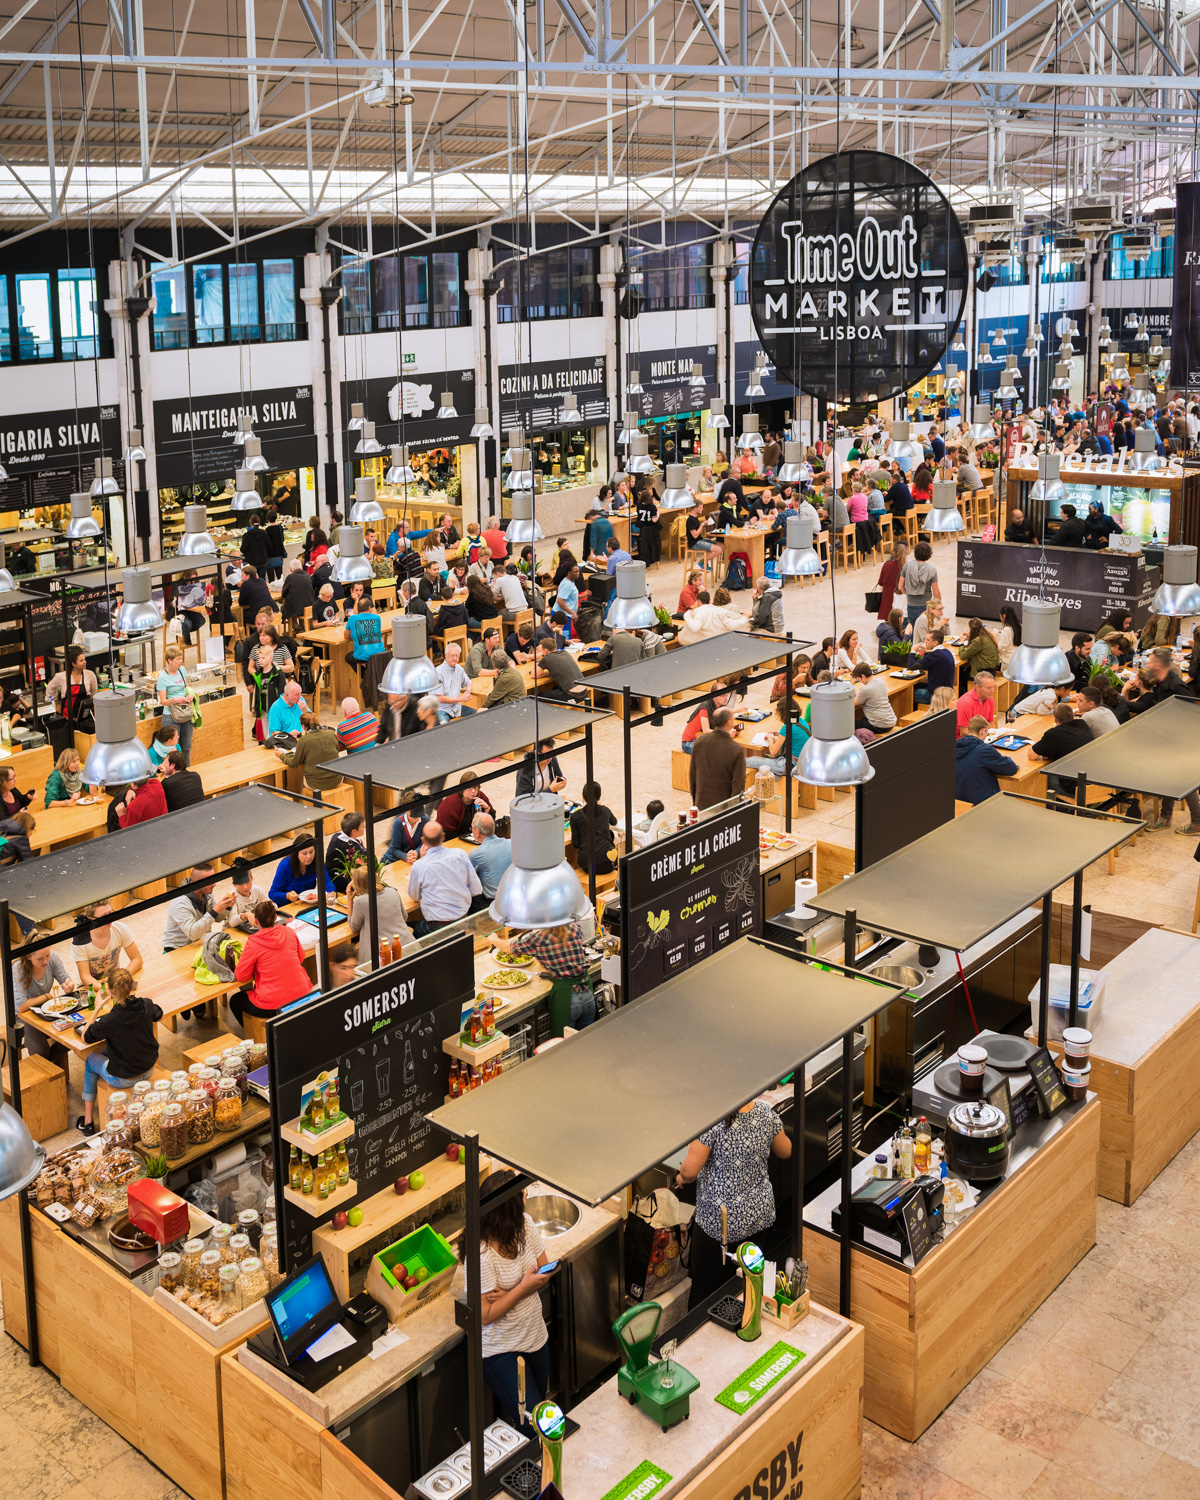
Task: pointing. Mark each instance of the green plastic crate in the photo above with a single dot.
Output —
(424, 1247)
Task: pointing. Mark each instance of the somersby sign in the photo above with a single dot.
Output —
(858, 277)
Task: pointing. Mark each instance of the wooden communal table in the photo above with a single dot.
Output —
(751, 541)
(223, 729)
(1145, 1060)
(330, 643)
(1030, 778)
(132, 1362)
(482, 686)
(931, 1328)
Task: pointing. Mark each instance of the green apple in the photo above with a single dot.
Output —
(422, 1273)
(462, 1155)
(355, 1217)
(416, 1181)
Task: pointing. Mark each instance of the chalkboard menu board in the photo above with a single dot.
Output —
(531, 395)
(384, 1035)
(688, 896)
(87, 609)
(195, 438)
(1086, 585)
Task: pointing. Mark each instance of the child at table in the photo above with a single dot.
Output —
(131, 1047)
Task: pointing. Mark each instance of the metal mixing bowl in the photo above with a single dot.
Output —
(552, 1214)
(911, 979)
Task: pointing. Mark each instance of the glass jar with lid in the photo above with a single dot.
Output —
(117, 1136)
(170, 1270)
(230, 1300)
(194, 1071)
(118, 1103)
(192, 1251)
(133, 1118)
(252, 1281)
(228, 1105)
(256, 1056)
(155, 1103)
(213, 1060)
(239, 1246)
(219, 1240)
(198, 1110)
(179, 1076)
(235, 1067)
(250, 1224)
(173, 1132)
(268, 1250)
(209, 1079)
(179, 1089)
(208, 1274)
(142, 1087)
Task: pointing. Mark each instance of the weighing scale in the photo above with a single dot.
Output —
(663, 1390)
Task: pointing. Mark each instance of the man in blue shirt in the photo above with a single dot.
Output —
(977, 764)
(492, 856)
(364, 629)
(395, 539)
(616, 554)
(937, 444)
(284, 717)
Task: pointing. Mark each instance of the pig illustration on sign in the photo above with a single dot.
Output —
(413, 399)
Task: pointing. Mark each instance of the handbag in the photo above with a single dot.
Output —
(874, 599)
(657, 1233)
(182, 710)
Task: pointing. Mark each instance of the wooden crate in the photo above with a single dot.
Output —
(789, 1314)
(216, 1046)
(236, 1331)
(43, 1097)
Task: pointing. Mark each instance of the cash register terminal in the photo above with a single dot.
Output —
(312, 1336)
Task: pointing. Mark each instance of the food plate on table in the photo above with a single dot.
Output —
(87, 801)
(62, 1006)
(514, 960)
(504, 979)
(907, 673)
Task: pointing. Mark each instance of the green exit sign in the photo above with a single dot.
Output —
(410, 359)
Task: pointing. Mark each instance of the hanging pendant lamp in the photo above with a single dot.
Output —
(635, 380)
(639, 461)
(117, 757)
(1131, 321)
(1007, 389)
(83, 523)
(1062, 378)
(981, 428)
(999, 340)
(134, 452)
(409, 670)
(356, 417)
(104, 483)
(138, 612)
(754, 385)
(7, 585)
(1142, 336)
(676, 494)
(1048, 487)
(902, 447)
(254, 460)
(790, 471)
(751, 438)
(366, 505)
(832, 755)
(21, 1157)
(1178, 595)
(447, 407)
(1120, 370)
(944, 515)
(523, 528)
(985, 356)
(1039, 660)
(539, 889)
(1031, 347)
(630, 608)
(482, 428)
(1104, 334)
(1145, 457)
(520, 474)
(628, 430)
(958, 347)
(245, 492)
(368, 443)
(352, 566)
(799, 558)
(569, 413)
(1156, 349)
(195, 541)
(717, 420)
(697, 381)
(399, 471)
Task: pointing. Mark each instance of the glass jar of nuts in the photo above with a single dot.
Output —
(198, 1110)
(239, 1246)
(228, 1105)
(252, 1281)
(208, 1274)
(192, 1251)
(173, 1132)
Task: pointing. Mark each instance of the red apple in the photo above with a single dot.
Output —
(339, 1220)
(452, 1151)
(401, 1184)
(410, 1282)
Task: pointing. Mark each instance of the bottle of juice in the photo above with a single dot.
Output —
(489, 1019)
(295, 1170)
(385, 950)
(922, 1147)
(455, 1084)
(318, 1106)
(323, 1175)
(333, 1100)
(306, 1174)
(395, 947)
(476, 1026)
(343, 1166)
(91, 997)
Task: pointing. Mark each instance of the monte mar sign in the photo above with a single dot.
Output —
(858, 277)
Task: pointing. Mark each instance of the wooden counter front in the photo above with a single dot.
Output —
(223, 730)
(930, 1330)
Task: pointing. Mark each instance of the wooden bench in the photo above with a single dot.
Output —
(43, 1097)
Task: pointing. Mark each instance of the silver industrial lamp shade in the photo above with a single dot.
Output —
(1131, 320)
(635, 380)
(245, 492)
(569, 411)
(1104, 335)
(985, 355)
(539, 888)
(981, 428)
(944, 515)
(697, 381)
(195, 541)
(630, 607)
(954, 385)
(516, 439)
(676, 493)
(629, 427)
(1142, 336)
(1031, 347)
(399, 471)
(1048, 486)
(832, 756)
(901, 446)
(356, 417)
(1062, 378)
(1145, 455)
(104, 483)
(352, 566)
(1156, 349)
(1039, 661)
(21, 1157)
(366, 505)
(118, 756)
(447, 407)
(751, 438)
(254, 460)
(958, 346)
(799, 558)
(134, 452)
(790, 471)
(368, 443)
(1065, 348)
(1178, 595)
(523, 527)
(138, 612)
(82, 523)
(1007, 389)
(640, 461)
(6, 579)
(717, 420)
(521, 475)
(482, 428)
(754, 385)
(999, 339)
(410, 670)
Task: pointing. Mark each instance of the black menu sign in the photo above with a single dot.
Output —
(1086, 585)
(67, 440)
(1046, 1081)
(688, 896)
(415, 397)
(195, 437)
(531, 396)
(666, 374)
(917, 1228)
(384, 1035)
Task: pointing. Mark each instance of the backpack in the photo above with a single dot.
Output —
(304, 673)
(738, 576)
(589, 622)
(220, 953)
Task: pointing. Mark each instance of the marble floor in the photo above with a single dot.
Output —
(1098, 1395)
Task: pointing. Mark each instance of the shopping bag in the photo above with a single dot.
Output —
(656, 1239)
(873, 600)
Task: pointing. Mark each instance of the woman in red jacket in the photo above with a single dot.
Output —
(271, 968)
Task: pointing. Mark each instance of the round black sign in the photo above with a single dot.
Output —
(859, 277)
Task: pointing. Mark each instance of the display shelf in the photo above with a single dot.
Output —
(255, 1114)
(311, 1203)
(295, 1136)
(462, 1051)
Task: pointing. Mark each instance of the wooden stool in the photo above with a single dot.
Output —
(885, 530)
(680, 763)
(846, 549)
(912, 528)
(211, 1048)
(256, 1027)
(44, 1096)
(341, 796)
(705, 561)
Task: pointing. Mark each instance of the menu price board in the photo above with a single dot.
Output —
(415, 397)
(688, 896)
(665, 376)
(195, 436)
(531, 396)
(384, 1035)
(1047, 1081)
(1085, 584)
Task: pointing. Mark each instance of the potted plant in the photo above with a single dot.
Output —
(158, 1167)
(895, 654)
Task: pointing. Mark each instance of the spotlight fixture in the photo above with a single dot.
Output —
(833, 755)
(83, 523)
(134, 452)
(1039, 660)
(104, 483)
(399, 471)
(366, 502)
(254, 460)
(717, 420)
(245, 492)
(352, 566)
(1178, 596)
(447, 407)
(482, 428)
(368, 443)
(138, 612)
(630, 608)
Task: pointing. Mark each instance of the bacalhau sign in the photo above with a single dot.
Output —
(858, 277)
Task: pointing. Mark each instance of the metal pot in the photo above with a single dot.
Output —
(977, 1145)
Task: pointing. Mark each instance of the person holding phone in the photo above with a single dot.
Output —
(513, 1263)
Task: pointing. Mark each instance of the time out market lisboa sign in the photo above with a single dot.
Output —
(858, 278)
